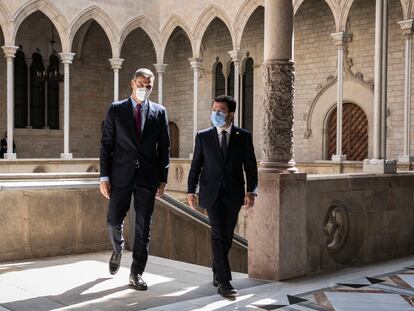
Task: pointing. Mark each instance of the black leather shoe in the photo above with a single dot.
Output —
(226, 290)
(215, 280)
(115, 262)
(137, 282)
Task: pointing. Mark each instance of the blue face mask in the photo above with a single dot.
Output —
(218, 118)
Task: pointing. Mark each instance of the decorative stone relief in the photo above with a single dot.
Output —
(179, 173)
(336, 228)
(278, 106)
(329, 82)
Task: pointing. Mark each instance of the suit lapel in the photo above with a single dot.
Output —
(234, 135)
(148, 118)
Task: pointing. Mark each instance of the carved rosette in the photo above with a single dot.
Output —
(278, 107)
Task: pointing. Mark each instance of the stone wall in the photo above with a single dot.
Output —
(54, 218)
(373, 219)
(52, 222)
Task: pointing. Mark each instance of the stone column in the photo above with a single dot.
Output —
(407, 30)
(236, 56)
(160, 69)
(116, 65)
(379, 164)
(67, 58)
(277, 226)
(195, 64)
(341, 41)
(10, 53)
(384, 79)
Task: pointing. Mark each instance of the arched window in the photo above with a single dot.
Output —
(174, 140)
(354, 133)
(220, 82)
(53, 92)
(37, 92)
(20, 90)
(248, 82)
(230, 80)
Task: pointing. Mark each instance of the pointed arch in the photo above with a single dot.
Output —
(103, 19)
(206, 17)
(242, 17)
(408, 9)
(168, 29)
(147, 26)
(332, 6)
(5, 21)
(50, 10)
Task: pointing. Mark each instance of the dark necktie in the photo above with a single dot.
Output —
(223, 144)
(138, 121)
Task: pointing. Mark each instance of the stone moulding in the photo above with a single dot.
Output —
(329, 82)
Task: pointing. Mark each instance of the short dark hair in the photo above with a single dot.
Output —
(144, 72)
(231, 103)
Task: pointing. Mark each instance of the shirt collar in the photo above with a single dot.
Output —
(134, 103)
(227, 129)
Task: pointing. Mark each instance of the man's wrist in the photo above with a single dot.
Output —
(191, 194)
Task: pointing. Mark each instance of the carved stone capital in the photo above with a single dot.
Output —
(160, 68)
(341, 39)
(195, 62)
(67, 57)
(9, 51)
(236, 56)
(116, 63)
(279, 76)
(406, 27)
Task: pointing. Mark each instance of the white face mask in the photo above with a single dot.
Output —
(142, 93)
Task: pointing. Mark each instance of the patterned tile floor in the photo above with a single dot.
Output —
(387, 292)
(82, 282)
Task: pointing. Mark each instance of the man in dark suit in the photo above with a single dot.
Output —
(221, 153)
(134, 162)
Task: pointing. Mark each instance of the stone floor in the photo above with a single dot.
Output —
(82, 282)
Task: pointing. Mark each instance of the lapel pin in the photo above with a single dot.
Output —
(237, 133)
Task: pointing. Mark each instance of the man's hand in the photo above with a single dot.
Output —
(192, 200)
(249, 200)
(105, 188)
(161, 189)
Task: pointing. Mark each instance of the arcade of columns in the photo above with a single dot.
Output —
(278, 138)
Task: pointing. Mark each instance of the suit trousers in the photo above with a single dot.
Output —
(119, 204)
(223, 217)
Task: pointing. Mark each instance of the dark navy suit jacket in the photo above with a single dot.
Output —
(212, 171)
(121, 148)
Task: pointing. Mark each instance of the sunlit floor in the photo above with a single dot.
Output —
(82, 282)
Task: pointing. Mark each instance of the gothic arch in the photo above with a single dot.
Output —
(206, 17)
(323, 103)
(242, 17)
(103, 19)
(50, 10)
(332, 6)
(168, 29)
(5, 22)
(147, 26)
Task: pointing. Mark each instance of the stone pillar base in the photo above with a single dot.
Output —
(379, 166)
(277, 227)
(338, 157)
(66, 156)
(10, 156)
(406, 159)
(279, 167)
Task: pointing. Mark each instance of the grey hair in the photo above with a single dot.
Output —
(144, 72)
